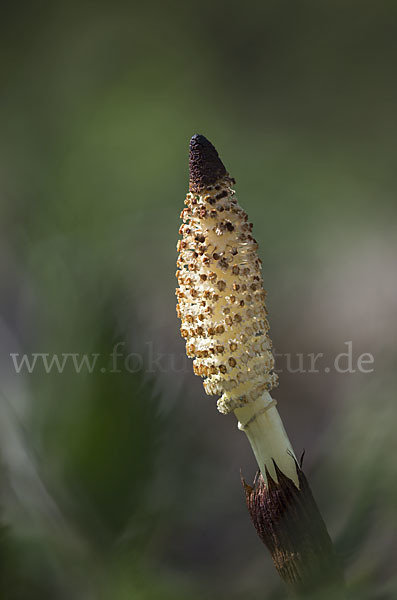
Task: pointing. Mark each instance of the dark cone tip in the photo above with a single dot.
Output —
(205, 166)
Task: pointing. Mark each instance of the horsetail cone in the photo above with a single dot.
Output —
(221, 304)
(221, 295)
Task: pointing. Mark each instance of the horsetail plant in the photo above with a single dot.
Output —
(221, 304)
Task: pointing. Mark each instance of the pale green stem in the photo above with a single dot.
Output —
(265, 431)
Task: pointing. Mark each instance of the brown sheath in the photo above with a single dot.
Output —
(290, 525)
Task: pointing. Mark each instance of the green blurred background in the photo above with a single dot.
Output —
(125, 485)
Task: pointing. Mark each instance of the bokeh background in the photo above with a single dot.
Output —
(126, 485)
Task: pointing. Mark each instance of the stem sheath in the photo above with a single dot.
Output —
(282, 506)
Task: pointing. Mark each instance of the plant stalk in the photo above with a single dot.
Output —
(282, 506)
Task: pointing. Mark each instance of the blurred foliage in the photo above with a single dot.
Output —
(102, 449)
(125, 484)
